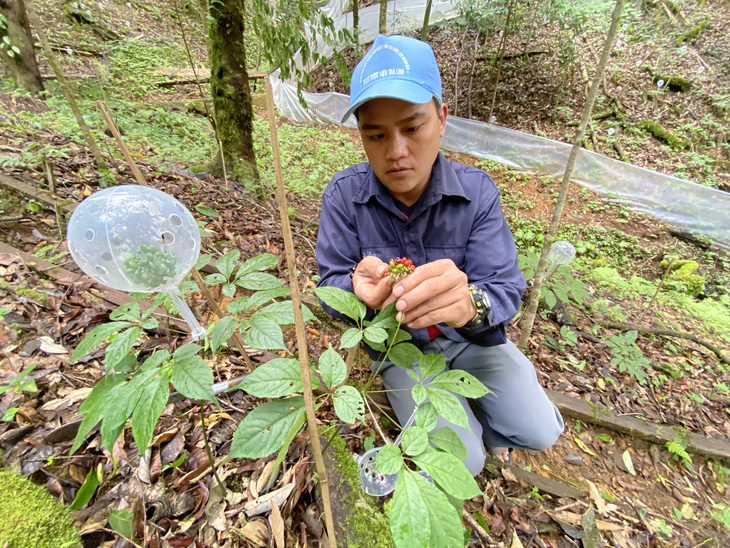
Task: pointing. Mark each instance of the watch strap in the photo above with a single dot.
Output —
(480, 299)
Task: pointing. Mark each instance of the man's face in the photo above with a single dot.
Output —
(401, 141)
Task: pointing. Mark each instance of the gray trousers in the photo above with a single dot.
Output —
(516, 414)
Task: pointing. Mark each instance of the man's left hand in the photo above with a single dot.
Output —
(437, 292)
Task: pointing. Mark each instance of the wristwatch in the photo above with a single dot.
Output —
(482, 303)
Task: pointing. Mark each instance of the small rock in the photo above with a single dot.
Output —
(574, 459)
(597, 462)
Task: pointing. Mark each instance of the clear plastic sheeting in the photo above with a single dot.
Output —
(686, 205)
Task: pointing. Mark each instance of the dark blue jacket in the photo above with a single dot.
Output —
(458, 217)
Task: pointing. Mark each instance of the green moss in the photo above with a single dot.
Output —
(34, 295)
(664, 135)
(31, 517)
(683, 278)
(605, 276)
(365, 525)
(673, 83)
(693, 33)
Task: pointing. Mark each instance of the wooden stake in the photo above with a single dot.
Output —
(299, 319)
(125, 151)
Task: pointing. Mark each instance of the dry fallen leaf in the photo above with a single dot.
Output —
(256, 532)
(277, 526)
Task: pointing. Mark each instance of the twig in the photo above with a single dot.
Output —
(298, 318)
(386, 439)
(125, 151)
(121, 535)
(207, 448)
(666, 273)
(456, 78)
(473, 66)
(500, 57)
(478, 529)
(350, 359)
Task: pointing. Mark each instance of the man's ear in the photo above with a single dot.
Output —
(443, 112)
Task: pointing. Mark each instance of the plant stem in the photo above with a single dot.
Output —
(207, 448)
(529, 317)
(375, 373)
(666, 273)
(299, 319)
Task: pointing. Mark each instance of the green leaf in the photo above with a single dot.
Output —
(229, 290)
(274, 379)
(121, 346)
(193, 378)
(186, 351)
(237, 306)
(227, 263)
(628, 462)
(128, 312)
(258, 281)
(151, 403)
(419, 394)
(87, 490)
(332, 368)
(550, 299)
(386, 317)
(283, 313)
(431, 364)
(409, 523)
(202, 261)
(426, 416)
(264, 429)
(461, 382)
(414, 441)
(9, 414)
(348, 403)
(404, 354)
(263, 297)
(157, 357)
(222, 331)
(342, 301)
(449, 441)
(444, 519)
(262, 333)
(205, 210)
(448, 406)
(260, 262)
(350, 338)
(449, 472)
(389, 460)
(121, 521)
(94, 407)
(215, 279)
(97, 336)
(375, 335)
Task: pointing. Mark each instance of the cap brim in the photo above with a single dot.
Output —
(391, 88)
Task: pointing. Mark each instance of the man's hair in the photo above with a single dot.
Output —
(434, 100)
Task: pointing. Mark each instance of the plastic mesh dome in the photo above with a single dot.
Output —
(134, 238)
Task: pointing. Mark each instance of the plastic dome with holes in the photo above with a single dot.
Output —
(134, 238)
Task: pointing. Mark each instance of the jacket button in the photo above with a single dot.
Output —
(408, 227)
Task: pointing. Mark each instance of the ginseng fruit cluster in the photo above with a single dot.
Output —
(399, 268)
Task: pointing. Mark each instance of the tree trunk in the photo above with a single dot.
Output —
(22, 64)
(529, 318)
(230, 91)
(356, 22)
(383, 21)
(426, 17)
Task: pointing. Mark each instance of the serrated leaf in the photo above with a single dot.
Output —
(222, 331)
(237, 306)
(87, 490)
(426, 416)
(350, 338)
(386, 317)
(449, 472)
(259, 262)
(262, 297)
(389, 460)
(262, 333)
(409, 523)
(283, 313)
(157, 357)
(348, 403)
(186, 351)
(95, 337)
(374, 335)
(264, 429)
(258, 281)
(444, 520)
(448, 440)
(227, 263)
(205, 210)
(419, 394)
(202, 261)
(128, 312)
(229, 290)
(193, 378)
(274, 379)
(405, 354)
(431, 364)
(628, 462)
(121, 521)
(414, 441)
(550, 299)
(215, 279)
(448, 406)
(151, 403)
(342, 301)
(94, 407)
(461, 382)
(121, 346)
(332, 368)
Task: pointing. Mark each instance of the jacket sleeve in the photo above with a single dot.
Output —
(491, 263)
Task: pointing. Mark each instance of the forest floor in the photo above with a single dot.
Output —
(654, 494)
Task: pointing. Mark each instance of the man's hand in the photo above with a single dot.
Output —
(436, 292)
(369, 284)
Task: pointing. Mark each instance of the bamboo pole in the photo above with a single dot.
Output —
(299, 319)
(35, 21)
(125, 151)
(529, 317)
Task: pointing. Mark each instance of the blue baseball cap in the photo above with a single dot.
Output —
(399, 67)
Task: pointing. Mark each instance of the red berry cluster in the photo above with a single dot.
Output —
(399, 268)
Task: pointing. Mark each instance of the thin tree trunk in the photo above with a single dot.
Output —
(23, 67)
(529, 318)
(230, 90)
(500, 58)
(426, 17)
(356, 22)
(51, 58)
(383, 21)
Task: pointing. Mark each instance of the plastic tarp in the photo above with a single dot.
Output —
(686, 205)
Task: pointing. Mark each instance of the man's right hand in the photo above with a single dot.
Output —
(369, 284)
